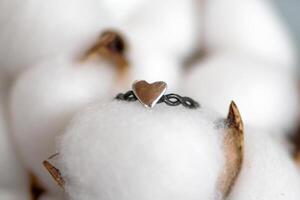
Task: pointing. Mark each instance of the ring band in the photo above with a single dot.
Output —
(169, 99)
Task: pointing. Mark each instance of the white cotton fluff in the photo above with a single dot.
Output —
(168, 27)
(268, 170)
(13, 178)
(252, 27)
(267, 96)
(43, 100)
(14, 183)
(33, 30)
(121, 150)
(160, 34)
(157, 68)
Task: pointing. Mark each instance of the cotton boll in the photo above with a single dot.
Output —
(268, 171)
(168, 27)
(161, 35)
(252, 27)
(121, 150)
(43, 100)
(13, 179)
(267, 96)
(120, 10)
(156, 67)
(33, 31)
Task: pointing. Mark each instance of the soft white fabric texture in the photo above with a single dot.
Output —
(121, 150)
(268, 170)
(43, 100)
(13, 180)
(251, 27)
(267, 96)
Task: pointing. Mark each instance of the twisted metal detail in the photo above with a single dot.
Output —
(169, 99)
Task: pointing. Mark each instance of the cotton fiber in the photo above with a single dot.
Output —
(267, 96)
(162, 34)
(34, 31)
(43, 100)
(268, 170)
(159, 41)
(250, 27)
(13, 179)
(121, 150)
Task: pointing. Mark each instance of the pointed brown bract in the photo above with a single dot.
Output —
(112, 47)
(55, 173)
(297, 158)
(233, 150)
(234, 119)
(295, 140)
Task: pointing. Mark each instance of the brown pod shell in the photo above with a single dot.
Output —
(233, 147)
(54, 172)
(111, 46)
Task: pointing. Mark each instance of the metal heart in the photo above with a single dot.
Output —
(149, 94)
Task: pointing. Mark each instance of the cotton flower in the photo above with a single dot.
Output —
(252, 28)
(161, 36)
(268, 170)
(13, 179)
(34, 31)
(267, 96)
(120, 150)
(44, 99)
(161, 32)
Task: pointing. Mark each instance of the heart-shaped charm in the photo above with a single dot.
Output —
(149, 94)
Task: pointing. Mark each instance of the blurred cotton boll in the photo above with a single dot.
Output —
(162, 153)
(14, 184)
(251, 27)
(268, 171)
(169, 27)
(35, 30)
(267, 96)
(43, 100)
(161, 35)
(157, 67)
